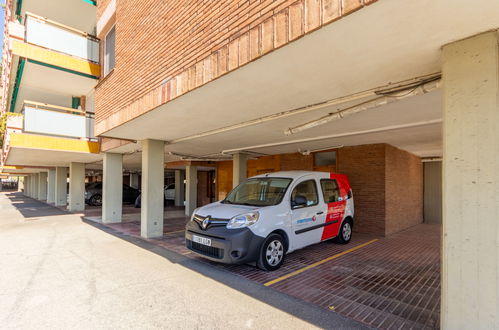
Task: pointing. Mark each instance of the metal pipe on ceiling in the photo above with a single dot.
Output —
(374, 92)
(331, 136)
(387, 98)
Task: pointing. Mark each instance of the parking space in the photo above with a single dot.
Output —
(389, 283)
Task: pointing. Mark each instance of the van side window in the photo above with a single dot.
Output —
(308, 190)
(330, 190)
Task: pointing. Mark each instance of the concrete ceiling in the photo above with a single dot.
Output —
(340, 59)
(40, 157)
(77, 14)
(40, 83)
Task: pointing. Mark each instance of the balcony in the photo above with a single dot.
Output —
(46, 119)
(50, 135)
(61, 38)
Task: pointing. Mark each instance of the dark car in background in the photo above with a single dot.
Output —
(169, 195)
(93, 194)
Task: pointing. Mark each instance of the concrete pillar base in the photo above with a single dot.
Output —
(51, 186)
(42, 186)
(76, 187)
(153, 178)
(239, 168)
(112, 188)
(61, 190)
(470, 168)
(191, 189)
(34, 193)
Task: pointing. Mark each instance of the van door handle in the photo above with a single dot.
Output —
(319, 213)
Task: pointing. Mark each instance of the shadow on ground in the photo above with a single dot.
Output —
(32, 208)
(306, 311)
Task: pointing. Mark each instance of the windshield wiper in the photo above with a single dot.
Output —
(247, 204)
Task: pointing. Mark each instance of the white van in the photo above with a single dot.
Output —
(272, 214)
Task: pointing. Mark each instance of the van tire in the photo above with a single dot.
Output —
(345, 234)
(272, 253)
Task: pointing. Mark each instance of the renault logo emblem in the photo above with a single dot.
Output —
(205, 222)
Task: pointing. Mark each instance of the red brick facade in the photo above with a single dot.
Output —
(167, 48)
(403, 190)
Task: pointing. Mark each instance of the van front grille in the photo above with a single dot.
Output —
(209, 251)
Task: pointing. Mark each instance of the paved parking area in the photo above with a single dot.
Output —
(388, 283)
(60, 273)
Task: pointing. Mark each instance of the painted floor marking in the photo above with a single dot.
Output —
(315, 264)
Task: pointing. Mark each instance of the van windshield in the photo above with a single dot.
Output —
(259, 192)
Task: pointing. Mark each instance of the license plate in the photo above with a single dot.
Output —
(201, 240)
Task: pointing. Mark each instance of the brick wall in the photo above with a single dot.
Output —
(365, 167)
(224, 179)
(166, 48)
(404, 190)
(101, 6)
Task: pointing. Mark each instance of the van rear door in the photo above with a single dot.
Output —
(336, 204)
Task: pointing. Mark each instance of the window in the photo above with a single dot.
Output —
(259, 192)
(306, 189)
(330, 190)
(109, 51)
(327, 158)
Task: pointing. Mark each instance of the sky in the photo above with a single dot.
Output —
(1, 21)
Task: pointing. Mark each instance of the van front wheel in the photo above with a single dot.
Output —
(272, 253)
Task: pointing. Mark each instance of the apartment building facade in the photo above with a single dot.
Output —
(50, 67)
(219, 91)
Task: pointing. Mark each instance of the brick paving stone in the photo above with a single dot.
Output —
(393, 283)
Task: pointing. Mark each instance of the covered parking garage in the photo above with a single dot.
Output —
(426, 93)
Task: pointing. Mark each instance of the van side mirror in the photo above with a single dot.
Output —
(299, 201)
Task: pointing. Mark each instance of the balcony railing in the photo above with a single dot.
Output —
(55, 36)
(41, 118)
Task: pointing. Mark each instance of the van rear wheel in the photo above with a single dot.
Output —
(272, 253)
(345, 233)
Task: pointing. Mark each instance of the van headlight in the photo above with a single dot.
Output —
(194, 213)
(243, 220)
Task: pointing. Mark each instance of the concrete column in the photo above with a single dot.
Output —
(42, 186)
(76, 187)
(112, 188)
(21, 186)
(153, 178)
(239, 168)
(35, 186)
(61, 190)
(26, 185)
(134, 180)
(191, 189)
(470, 245)
(179, 188)
(51, 186)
